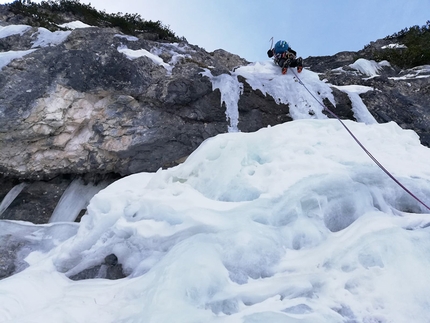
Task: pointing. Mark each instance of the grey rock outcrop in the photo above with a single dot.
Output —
(82, 108)
(398, 95)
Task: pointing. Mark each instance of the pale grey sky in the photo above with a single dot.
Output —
(244, 27)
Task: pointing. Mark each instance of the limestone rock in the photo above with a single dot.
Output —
(86, 104)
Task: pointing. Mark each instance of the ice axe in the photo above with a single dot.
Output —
(270, 51)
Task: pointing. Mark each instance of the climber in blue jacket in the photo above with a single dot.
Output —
(285, 56)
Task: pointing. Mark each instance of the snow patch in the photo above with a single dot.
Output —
(133, 54)
(367, 67)
(75, 25)
(394, 46)
(13, 30)
(7, 57)
(47, 38)
(44, 37)
(127, 37)
(361, 113)
(286, 89)
(415, 73)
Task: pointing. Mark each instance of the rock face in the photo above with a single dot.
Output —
(92, 104)
(83, 107)
(80, 105)
(399, 95)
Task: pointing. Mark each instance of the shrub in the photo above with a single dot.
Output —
(51, 12)
(417, 41)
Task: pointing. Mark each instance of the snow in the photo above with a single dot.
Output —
(133, 54)
(361, 113)
(7, 57)
(127, 37)
(394, 46)
(414, 73)
(43, 36)
(75, 25)
(368, 67)
(11, 30)
(176, 51)
(291, 223)
(47, 38)
(287, 89)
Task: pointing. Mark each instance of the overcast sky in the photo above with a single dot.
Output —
(244, 27)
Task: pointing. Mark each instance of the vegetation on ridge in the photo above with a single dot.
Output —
(417, 41)
(49, 13)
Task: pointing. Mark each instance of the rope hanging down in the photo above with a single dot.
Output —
(361, 145)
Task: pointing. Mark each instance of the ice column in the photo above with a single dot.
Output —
(10, 196)
(230, 89)
(75, 198)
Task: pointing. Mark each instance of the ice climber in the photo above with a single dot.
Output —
(285, 56)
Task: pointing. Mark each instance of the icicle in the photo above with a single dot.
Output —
(230, 89)
(10, 196)
(74, 199)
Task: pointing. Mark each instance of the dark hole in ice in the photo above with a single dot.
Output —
(109, 269)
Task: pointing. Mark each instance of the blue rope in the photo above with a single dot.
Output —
(360, 144)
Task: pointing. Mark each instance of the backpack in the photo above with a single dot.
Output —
(281, 46)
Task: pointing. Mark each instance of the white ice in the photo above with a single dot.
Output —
(287, 89)
(230, 89)
(10, 196)
(358, 107)
(74, 199)
(291, 223)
